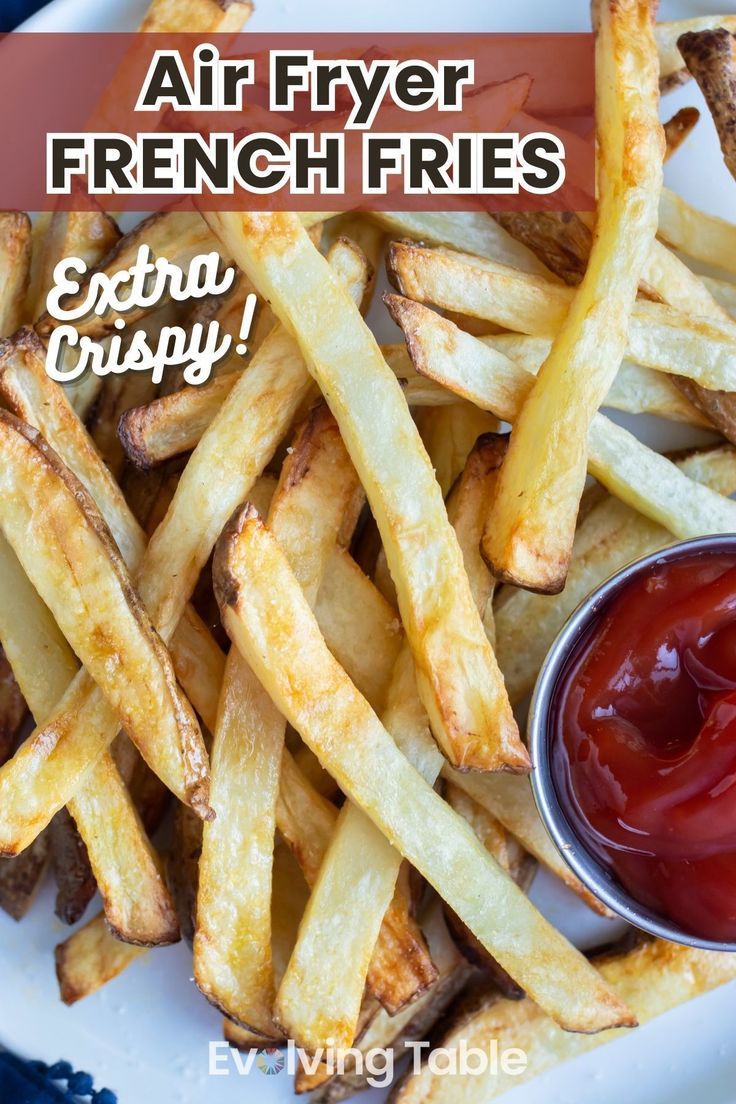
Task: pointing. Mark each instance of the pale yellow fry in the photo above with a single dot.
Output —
(699, 235)
(137, 904)
(667, 33)
(609, 537)
(659, 337)
(282, 643)
(642, 478)
(458, 677)
(77, 570)
(238, 445)
(232, 941)
(321, 993)
(653, 978)
(89, 958)
(15, 262)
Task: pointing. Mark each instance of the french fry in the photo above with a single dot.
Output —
(711, 57)
(15, 260)
(12, 708)
(76, 568)
(473, 232)
(679, 128)
(138, 907)
(291, 660)
(266, 399)
(528, 537)
(645, 480)
(385, 1031)
(202, 16)
(449, 434)
(232, 941)
(465, 700)
(652, 978)
(89, 958)
(21, 877)
(75, 881)
(701, 236)
(667, 33)
(609, 537)
(659, 337)
(89, 235)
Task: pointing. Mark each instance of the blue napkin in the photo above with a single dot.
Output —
(36, 1083)
(13, 12)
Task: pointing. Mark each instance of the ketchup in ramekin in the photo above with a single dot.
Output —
(640, 729)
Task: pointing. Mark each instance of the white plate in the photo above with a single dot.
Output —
(146, 1034)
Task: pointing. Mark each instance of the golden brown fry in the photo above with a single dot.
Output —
(292, 661)
(610, 536)
(76, 568)
(15, 261)
(711, 58)
(202, 16)
(642, 478)
(89, 958)
(89, 235)
(679, 128)
(232, 942)
(460, 686)
(125, 868)
(652, 978)
(528, 537)
(21, 877)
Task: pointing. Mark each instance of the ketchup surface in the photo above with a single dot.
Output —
(643, 748)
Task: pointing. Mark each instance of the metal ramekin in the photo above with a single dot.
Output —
(598, 880)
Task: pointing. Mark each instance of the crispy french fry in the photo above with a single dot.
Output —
(469, 232)
(609, 537)
(202, 16)
(12, 708)
(21, 877)
(387, 1031)
(667, 34)
(138, 907)
(528, 537)
(461, 688)
(232, 941)
(75, 881)
(292, 661)
(89, 958)
(76, 568)
(701, 236)
(711, 58)
(89, 235)
(265, 399)
(652, 978)
(659, 337)
(679, 128)
(15, 261)
(645, 480)
(449, 433)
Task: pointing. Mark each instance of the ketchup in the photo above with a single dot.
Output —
(643, 748)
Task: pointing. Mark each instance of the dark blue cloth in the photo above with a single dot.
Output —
(13, 12)
(35, 1083)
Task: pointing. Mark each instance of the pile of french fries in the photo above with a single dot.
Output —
(272, 601)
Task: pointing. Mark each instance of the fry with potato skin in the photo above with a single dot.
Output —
(319, 998)
(43, 498)
(203, 16)
(232, 941)
(138, 906)
(653, 978)
(285, 649)
(89, 958)
(15, 261)
(460, 687)
(711, 58)
(609, 537)
(642, 478)
(528, 538)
